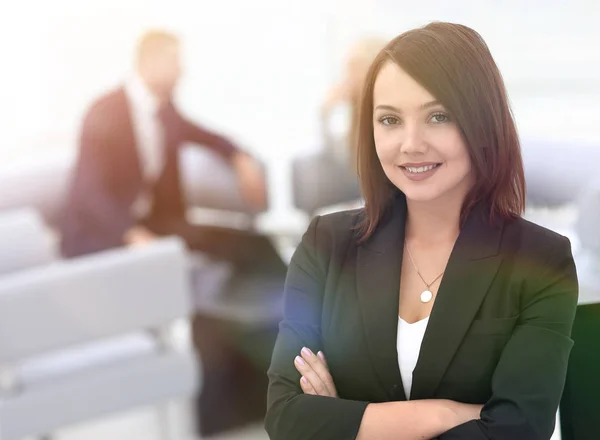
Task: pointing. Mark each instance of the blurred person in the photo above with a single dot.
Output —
(126, 186)
(126, 191)
(327, 179)
(339, 111)
(436, 311)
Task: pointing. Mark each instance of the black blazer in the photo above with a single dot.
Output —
(499, 332)
(108, 175)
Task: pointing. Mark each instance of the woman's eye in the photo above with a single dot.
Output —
(439, 118)
(388, 120)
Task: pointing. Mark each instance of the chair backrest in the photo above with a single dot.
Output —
(587, 258)
(545, 161)
(322, 180)
(588, 219)
(38, 180)
(24, 240)
(210, 182)
(98, 296)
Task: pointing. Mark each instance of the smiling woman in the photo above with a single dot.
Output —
(436, 311)
(439, 103)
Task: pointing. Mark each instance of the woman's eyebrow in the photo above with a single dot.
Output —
(397, 110)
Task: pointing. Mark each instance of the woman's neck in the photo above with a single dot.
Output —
(433, 223)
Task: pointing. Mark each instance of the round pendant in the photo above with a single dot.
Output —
(426, 296)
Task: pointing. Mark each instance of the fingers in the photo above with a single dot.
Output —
(321, 356)
(314, 369)
(318, 364)
(327, 379)
(308, 372)
(307, 387)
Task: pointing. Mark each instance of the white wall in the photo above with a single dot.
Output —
(258, 69)
(254, 69)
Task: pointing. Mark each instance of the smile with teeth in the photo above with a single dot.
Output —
(421, 169)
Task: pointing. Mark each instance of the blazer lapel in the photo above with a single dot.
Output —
(471, 269)
(378, 281)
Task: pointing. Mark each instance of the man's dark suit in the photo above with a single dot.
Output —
(499, 332)
(107, 180)
(108, 176)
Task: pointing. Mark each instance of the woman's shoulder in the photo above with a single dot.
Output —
(538, 235)
(537, 244)
(543, 261)
(328, 237)
(332, 233)
(340, 224)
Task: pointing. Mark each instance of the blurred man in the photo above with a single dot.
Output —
(126, 186)
(126, 191)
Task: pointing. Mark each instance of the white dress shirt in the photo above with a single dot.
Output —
(408, 344)
(144, 107)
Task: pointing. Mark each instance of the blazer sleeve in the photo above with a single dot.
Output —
(187, 131)
(202, 136)
(93, 164)
(529, 379)
(291, 414)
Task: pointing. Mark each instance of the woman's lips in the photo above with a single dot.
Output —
(420, 172)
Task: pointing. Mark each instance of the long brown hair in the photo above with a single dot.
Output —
(455, 65)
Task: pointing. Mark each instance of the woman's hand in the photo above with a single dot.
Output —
(316, 379)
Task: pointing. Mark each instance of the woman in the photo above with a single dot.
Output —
(436, 311)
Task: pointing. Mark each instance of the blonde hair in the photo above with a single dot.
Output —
(367, 48)
(364, 51)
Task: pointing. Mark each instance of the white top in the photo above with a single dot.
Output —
(144, 107)
(408, 344)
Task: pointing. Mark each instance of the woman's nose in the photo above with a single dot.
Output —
(412, 142)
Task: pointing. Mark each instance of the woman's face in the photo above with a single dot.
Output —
(418, 144)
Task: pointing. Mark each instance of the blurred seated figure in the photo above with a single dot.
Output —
(126, 190)
(329, 177)
(339, 111)
(126, 185)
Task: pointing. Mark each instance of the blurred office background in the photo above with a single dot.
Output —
(258, 71)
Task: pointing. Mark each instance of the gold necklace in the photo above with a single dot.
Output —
(426, 295)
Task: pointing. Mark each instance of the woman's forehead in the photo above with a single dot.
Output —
(395, 87)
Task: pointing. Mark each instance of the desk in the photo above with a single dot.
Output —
(234, 330)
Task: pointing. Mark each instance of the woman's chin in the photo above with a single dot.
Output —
(429, 195)
(421, 195)
(421, 198)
